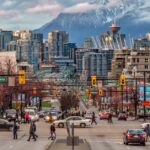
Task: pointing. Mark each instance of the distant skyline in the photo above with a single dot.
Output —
(32, 14)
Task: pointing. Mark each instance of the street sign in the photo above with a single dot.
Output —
(3, 79)
(44, 91)
(146, 103)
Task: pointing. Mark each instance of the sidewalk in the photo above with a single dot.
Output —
(60, 144)
(8, 135)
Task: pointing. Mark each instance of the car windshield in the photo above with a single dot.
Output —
(135, 131)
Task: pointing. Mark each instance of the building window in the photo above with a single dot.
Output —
(137, 59)
(146, 66)
(146, 60)
(133, 59)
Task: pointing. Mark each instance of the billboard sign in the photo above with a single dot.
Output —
(147, 90)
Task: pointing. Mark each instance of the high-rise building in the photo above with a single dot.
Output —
(56, 40)
(5, 38)
(80, 52)
(143, 43)
(68, 49)
(94, 64)
(88, 43)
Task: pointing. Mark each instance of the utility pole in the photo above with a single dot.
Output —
(122, 98)
(135, 97)
(144, 95)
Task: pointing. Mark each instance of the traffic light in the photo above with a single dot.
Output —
(22, 79)
(87, 92)
(122, 80)
(34, 90)
(93, 79)
(100, 92)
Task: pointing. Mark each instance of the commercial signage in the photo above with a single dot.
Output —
(147, 92)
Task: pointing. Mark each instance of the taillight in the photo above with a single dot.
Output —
(129, 135)
(143, 135)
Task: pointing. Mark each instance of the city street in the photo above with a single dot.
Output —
(105, 136)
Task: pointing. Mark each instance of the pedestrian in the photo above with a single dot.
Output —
(93, 118)
(110, 118)
(27, 117)
(83, 114)
(15, 129)
(31, 132)
(34, 129)
(147, 130)
(52, 132)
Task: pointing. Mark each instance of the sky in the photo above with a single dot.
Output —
(32, 14)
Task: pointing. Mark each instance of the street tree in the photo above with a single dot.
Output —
(69, 100)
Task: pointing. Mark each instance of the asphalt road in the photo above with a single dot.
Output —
(103, 136)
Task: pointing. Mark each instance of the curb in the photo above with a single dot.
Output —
(49, 145)
(88, 144)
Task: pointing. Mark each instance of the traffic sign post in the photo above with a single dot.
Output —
(3, 79)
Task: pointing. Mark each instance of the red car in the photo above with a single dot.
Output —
(134, 136)
(103, 115)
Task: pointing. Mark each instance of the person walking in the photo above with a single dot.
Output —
(34, 129)
(31, 132)
(52, 132)
(27, 117)
(93, 118)
(147, 130)
(15, 129)
(110, 118)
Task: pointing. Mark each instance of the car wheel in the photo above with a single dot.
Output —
(82, 125)
(61, 125)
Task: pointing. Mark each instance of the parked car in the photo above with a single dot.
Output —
(122, 116)
(134, 136)
(6, 125)
(143, 125)
(10, 114)
(33, 116)
(78, 122)
(103, 115)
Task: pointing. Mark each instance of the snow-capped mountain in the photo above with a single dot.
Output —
(131, 15)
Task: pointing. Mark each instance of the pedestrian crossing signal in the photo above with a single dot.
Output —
(100, 92)
(34, 90)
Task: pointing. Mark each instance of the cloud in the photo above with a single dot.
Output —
(54, 8)
(113, 3)
(8, 13)
(82, 7)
